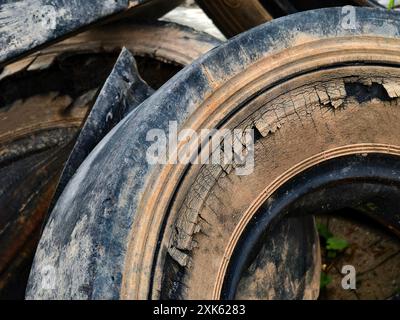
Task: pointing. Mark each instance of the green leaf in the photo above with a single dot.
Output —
(325, 280)
(391, 4)
(332, 254)
(323, 231)
(337, 244)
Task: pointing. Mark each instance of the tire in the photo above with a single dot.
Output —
(42, 114)
(235, 16)
(323, 105)
(21, 35)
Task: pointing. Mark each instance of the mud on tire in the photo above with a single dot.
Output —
(312, 92)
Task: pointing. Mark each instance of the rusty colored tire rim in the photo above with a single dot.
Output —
(358, 154)
(297, 79)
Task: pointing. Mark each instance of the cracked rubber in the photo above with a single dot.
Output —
(44, 100)
(308, 85)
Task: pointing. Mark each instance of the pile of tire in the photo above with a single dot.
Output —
(85, 214)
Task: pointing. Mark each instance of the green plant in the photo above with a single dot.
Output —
(323, 231)
(333, 243)
(391, 4)
(336, 244)
(333, 247)
(325, 280)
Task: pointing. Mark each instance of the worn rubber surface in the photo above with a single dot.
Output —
(122, 92)
(38, 120)
(235, 16)
(26, 25)
(41, 116)
(126, 229)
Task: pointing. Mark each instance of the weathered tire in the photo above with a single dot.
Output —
(314, 92)
(45, 99)
(29, 26)
(235, 16)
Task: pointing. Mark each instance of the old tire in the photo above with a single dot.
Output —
(320, 98)
(45, 98)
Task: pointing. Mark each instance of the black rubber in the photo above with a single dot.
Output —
(86, 238)
(25, 27)
(346, 182)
